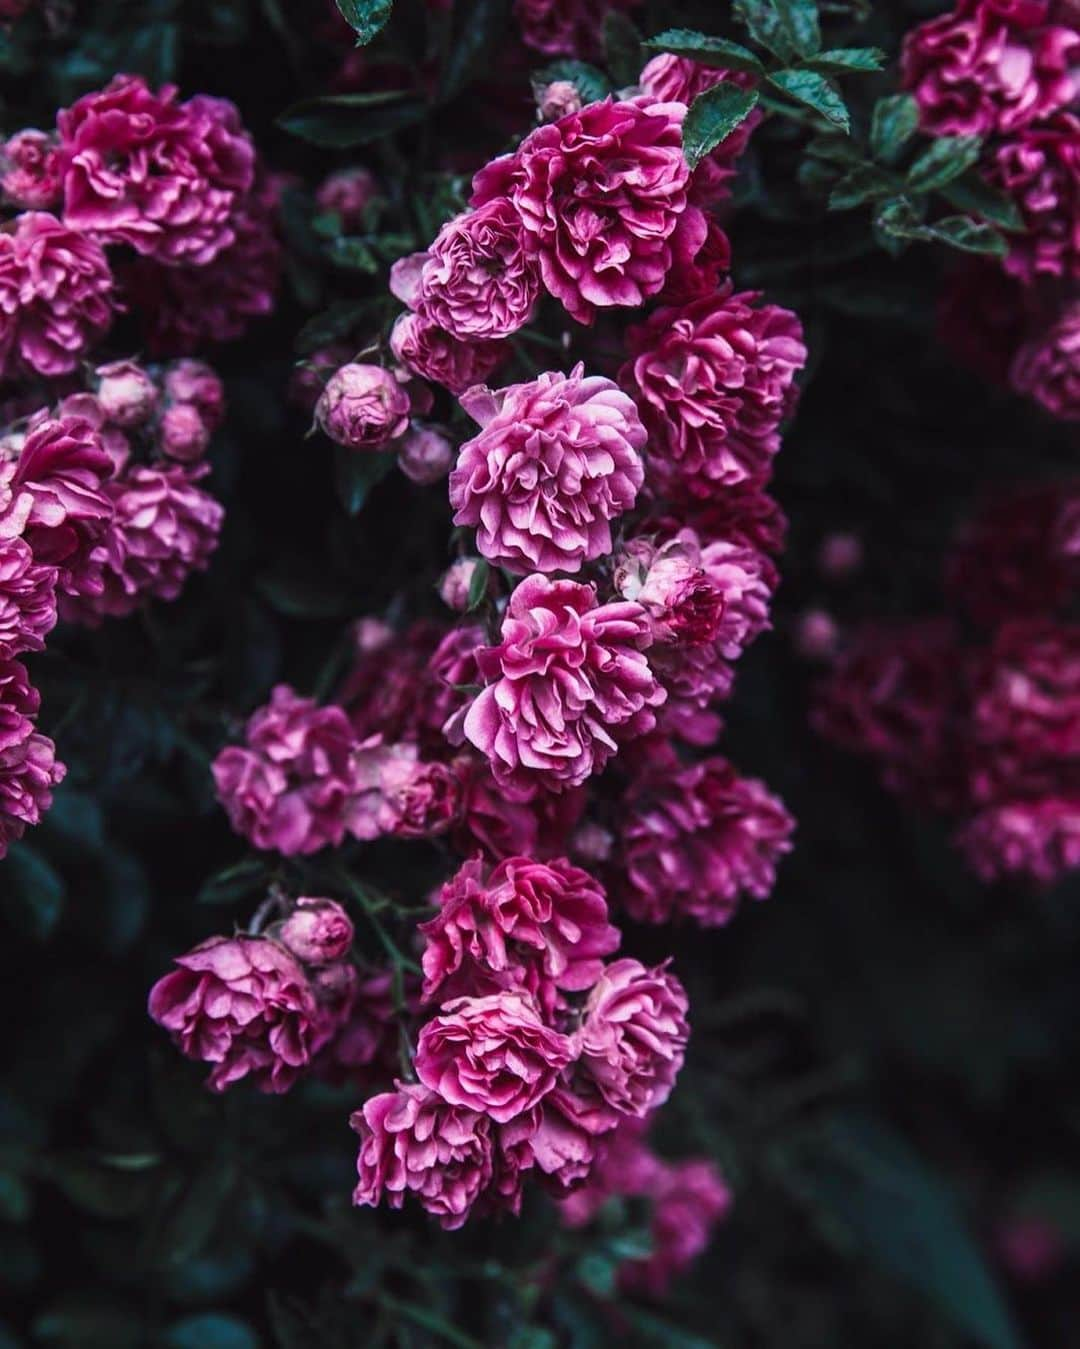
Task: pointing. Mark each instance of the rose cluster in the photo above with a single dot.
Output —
(983, 728)
(1008, 73)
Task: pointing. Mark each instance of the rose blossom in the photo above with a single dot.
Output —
(363, 407)
(625, 1165)
(817, 636)
(566, 27)
(478, 281)
(456, 582)
(1047, 367)
(683, 604)
(689, 1199)
(425, 455)
(163, 529)
(244, 1005)
(197, 384)
(557, 99)
(1039, 168)
(979, 70)
(713, 380)
(126, 393)
(413, 1141)
(364, 1050)
(1026, 695)
(347, 193)
(28, 766)
(429, 351)
(555, 462)
(633, 1036)
(695, 839)
(567, 682)
(1037, 838)
(56, 296)
(29, 170)
(840, 556)
(183, 433)
(27, 599)
(527, 925)
(289, 787)
(502, 822)
(701, 258)
(164, 177)
(492, 1054)
(316, 931)
(394, 793)
(599, 194)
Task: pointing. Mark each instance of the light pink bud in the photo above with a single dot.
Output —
(317, 931)
(195, 382)
(347, 193)
(363, 407)
(840, 556)
(184, 434)
(126, 393)
(816, 635)
(557, 99)
(456, 583)
(425, 455)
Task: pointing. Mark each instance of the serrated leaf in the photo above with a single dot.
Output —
(715, 52)
(356, 472)
(947, 158)
(813, 91)
(970, 236)
(799, 19)
(862, 184)
(895, 120)
(367, 18)
(622, 48)
(762, 22)
(341, 121)
(478, 585)
(712, 117)
(972, 194)
(842, 59)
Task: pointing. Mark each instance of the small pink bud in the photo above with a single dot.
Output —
(195, 382)
(317, 931)
(425, 455)
(347, 193)
(840, 556)
(363, 407)
(126, 393)
(456, 583)
(28, 169)
(184, 434)
(557, 99)
(371, 634)
(591, 843)
(816, 635)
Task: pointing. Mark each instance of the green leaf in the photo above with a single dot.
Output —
(947, 158)
(973, 195)
(842, 59)
(799, 20)
(478, 585)
(344, 120)
(592, 84)
(899, 220)
(762, 21)
(340, 319)
(895, 120)
(862, 184)
(813, 91)
(210, 1330)
(234, 882)
(622, 48)
(897, 1213)
(352, 254)
(712, 117)
(356, 472)
(598, 1273)
(32, 892)
(105, 1190)
(367, 18)
(715, 52)
(191, 1219)
(479, 26)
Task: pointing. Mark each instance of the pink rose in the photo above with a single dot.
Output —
(557, 99)
(566, 684)
(126, 393)
(198, 385)
(689, 1198)
(633, 1037)
(316, 931)
(431, 352)
(1039, 168)
(566, 27)
(30, 170)
(599, 194)
(1047, 367)
(347, 194)
(556, 461)
(455, 584)
(492, 1054)
(28, 766)
(425, 455)
(27, 599)
(363, 407)
(1035, 838)
(183, 433)
(394, 793)
(1026, 694)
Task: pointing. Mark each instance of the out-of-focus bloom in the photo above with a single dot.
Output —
(456, 583)
(27, 599)
(492, 1054)
(984, 69)
(1047, 367)
(527, 925)
(183, 433)
(566, 27)
(309, 377)
(557, 99)
(243, 1004)
(289, 786)
(56, 296)
(567, 683)
(430, 352)
(347, 194)
(425, 454)
(364, 1050)
(982, 318)
(713, 380)
(633, 1036)
(412, 1141)
(689, 1199)
(395, 793)
(30, 171)
(478, 280)
(1036, 838)
(126, 393)
(1031, 1247)
(1039, 168)
(363, 407)
(316, 931)
(198, 385)
(694, 840)
(816, 635)
(163, 528)
(28, 766)
(624, 1165)
(502, 822)
(1026, 694)
(164, 177)
(556, 461)
(599, 194)
(840, 556)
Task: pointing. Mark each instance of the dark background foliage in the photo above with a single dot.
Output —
(883, 1058)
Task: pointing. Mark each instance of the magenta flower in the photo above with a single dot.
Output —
(566, 27)
(493, 1054)
(347, 194)
(183, 434)
(1039, 168)
(1037, 838)
(243, 1004)
(126, 393)
(633, 1036)
(984, 68)
(289, 787)
(196, 384)
(556, 461)
(316, 931)
(395, 793)
(689, 1198)
(425, 455)
(599, 194)
(1026, 696)
(414, 1142)
(625, 1165)
(1047, 367)
(701, 258)
(363, 407)
(28, 766)
(431, 352)
(163, 529)
(27, 599)
(531, 925)
(56, 296)
(164, 177)
(30, 170)
(713, 380)
(505, 823)
(478, 281)
(566, 685)
(694, 840)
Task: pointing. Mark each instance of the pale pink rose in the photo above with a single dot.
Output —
(556, 461)
(198, 385)
(425, 454)
(456, 582)
(183, 433)
(126, 393)
(316, 931)
(557, 99)
(363, 407)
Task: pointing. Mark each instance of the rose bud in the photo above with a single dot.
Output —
(347, 193)
(126, 393)
(184, 434)
(363, 407)
(425, 455)
(317, 931)
(195, 382)
(456, 583)
(557, 99)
